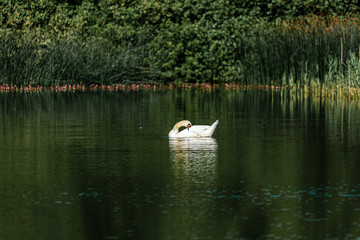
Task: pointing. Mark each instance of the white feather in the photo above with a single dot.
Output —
(193, 131)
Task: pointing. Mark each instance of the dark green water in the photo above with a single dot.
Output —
(100, 166)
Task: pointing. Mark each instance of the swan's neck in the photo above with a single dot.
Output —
(175, 130)
(179, 125)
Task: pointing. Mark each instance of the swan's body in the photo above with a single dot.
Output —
(192, 131)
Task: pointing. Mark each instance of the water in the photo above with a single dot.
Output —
(100, 166)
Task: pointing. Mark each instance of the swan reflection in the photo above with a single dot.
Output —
(194, 159)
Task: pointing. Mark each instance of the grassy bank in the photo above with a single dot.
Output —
(317, 92)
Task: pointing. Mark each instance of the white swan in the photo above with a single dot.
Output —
(192, 130)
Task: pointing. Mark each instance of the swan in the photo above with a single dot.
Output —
(192, 130)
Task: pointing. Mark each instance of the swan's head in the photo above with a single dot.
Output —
(187, 124)
(183, 123)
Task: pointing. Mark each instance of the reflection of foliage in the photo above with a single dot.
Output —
(278, 155)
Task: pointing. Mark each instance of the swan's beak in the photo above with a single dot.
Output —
(188, 126)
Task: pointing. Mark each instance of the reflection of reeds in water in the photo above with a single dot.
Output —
(194, 159)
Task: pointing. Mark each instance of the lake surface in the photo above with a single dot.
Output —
(100, 166)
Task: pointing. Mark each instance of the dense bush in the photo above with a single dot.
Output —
(274, 41)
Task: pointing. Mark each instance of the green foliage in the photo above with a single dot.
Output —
(187, 40)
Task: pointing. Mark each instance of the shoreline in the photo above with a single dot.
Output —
(322, 91)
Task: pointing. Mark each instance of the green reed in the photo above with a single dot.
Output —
(68, 61)
(310, 51)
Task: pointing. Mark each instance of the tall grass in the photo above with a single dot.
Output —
(306, 51)
(68, 61)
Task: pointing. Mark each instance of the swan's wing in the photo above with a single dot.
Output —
(199, 128)
(205, 130)
(195, 131)
(189, 133)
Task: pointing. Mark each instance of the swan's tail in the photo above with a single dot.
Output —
(213, 127)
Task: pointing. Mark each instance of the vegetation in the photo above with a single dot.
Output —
(68, 61)
(278, 42)
(306, 51)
